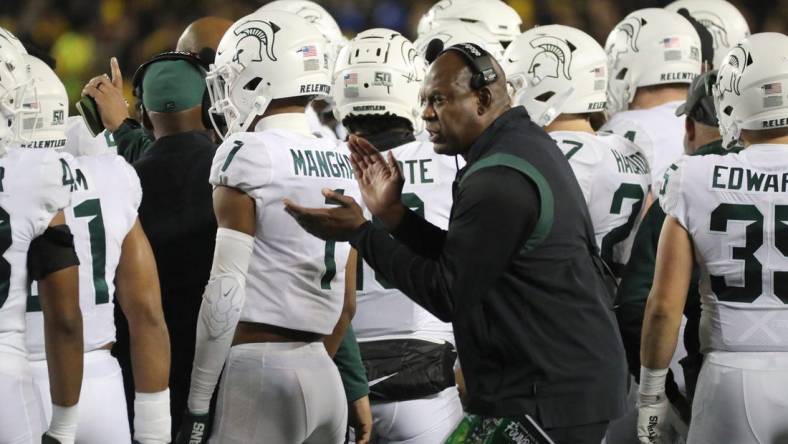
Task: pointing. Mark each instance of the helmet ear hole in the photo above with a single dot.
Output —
(544, 97)
(728, 110)
(621, 74)
(252, 84)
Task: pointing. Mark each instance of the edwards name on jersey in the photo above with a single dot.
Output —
(295, 280)
(735, 208)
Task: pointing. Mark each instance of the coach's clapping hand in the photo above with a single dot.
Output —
(332, 223)
(379, 180)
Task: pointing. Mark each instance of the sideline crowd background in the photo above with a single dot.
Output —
(83, 34)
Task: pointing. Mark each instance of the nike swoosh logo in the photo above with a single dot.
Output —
(375, 381)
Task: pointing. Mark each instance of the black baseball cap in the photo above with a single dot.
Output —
(700, 100)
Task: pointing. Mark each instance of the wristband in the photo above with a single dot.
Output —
(652, 383)
(63, 426)
(152, 417)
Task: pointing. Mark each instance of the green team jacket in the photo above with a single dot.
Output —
(635, 286)
(132, 144)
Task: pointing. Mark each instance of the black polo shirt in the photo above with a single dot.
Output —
(514, 273)
(177, 215)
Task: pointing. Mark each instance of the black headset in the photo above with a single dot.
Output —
(479, 60)
(194, 60)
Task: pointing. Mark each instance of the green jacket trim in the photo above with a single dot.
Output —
(547, 204)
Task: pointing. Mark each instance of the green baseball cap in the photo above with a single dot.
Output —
(170, 86)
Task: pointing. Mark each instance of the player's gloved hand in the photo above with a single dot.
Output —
(194, 429)
(653, 425)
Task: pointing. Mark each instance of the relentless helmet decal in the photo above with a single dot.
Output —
(715, 26)
(739, 59)
(263, 33)
(626, 39)
(554, 58)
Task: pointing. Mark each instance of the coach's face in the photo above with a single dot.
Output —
(451, 109)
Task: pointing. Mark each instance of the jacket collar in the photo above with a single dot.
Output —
(487, 138)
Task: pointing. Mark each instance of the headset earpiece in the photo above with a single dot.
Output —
(479, 61)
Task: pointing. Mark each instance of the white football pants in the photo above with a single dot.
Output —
(427, 420)
(741, 398)
(102, 402)
(283, 393)
(21, 415)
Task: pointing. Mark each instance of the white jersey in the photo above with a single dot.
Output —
(614, 176)
(34, 186)
(657, 131)
(79, 141)
(735, 208)
(383, 312)
(295, 280)
(103, 209)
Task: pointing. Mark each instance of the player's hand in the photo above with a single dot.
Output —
(380, 181)
(360, 418)
(331, 223)
(653, 423)
(108, 94)
(195, 429)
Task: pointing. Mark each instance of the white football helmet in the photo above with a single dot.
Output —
(460, 32)
(6, 35)
(315, 14)
(496, 16)
(725, 23)
(379, 72)
(264, 56)
(47, 128)
(650, 47)
(556, 69)
(15, 83)
(751, 85)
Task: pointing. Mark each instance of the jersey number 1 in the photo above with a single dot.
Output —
(98, 252)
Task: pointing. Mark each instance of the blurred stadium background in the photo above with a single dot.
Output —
(83, 34)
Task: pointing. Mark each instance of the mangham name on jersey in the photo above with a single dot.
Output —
(745, 179)
(316, 163)
(631, 164)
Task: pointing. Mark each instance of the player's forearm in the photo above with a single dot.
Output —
(660, 333)
(63, 334)
(150, 354)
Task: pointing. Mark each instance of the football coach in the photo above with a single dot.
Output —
(516, 272)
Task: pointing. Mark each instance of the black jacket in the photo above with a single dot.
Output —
(514, 273)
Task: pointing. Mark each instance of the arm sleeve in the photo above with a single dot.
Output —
(351, 369)
(220, 312)
(132, 143)
(495, 211)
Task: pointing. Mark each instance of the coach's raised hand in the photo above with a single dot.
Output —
(380, 181)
